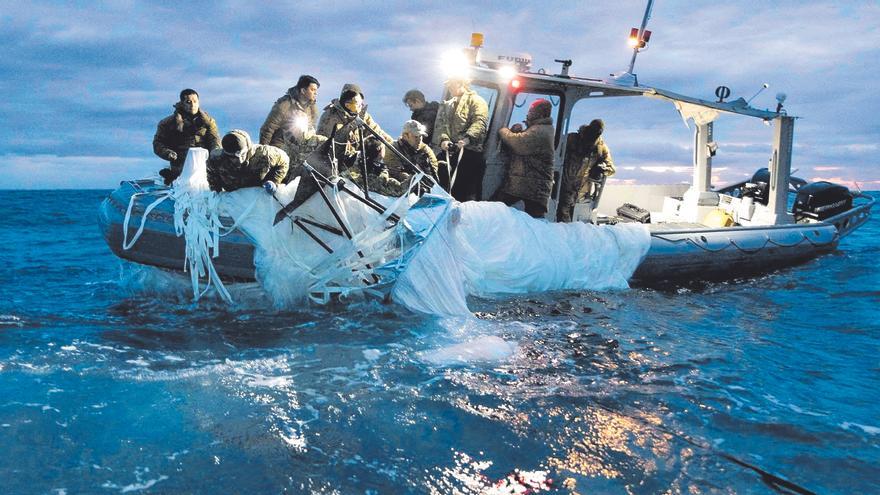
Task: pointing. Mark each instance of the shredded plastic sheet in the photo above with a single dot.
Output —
(487, 249)
(699, 114)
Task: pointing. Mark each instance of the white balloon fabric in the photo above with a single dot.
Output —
(488, 249)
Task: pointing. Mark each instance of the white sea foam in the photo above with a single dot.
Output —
(481, 349)
(871, 430)
(372, 354)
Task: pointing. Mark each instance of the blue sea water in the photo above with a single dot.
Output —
(109, 384)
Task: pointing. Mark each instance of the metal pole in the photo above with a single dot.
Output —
(632, 63)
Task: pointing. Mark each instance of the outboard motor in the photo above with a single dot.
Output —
(759, 187)
(821, 200)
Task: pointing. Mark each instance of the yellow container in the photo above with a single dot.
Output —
(718, 218)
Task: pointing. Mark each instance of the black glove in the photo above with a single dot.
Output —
(376, 167)
(168, 175)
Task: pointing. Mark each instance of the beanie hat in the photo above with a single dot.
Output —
(539, 109)
(413, 94)
(233, 143)
(349, 90)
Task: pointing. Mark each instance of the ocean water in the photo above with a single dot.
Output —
(112, 381)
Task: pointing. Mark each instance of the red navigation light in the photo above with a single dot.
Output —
(634, 40)
(633, 37)
(515, 84)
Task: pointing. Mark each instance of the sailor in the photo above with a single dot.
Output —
(460, 130)
(188, 127)
(586, 155)
(295, 110)
(240, 163)
(338, 123)
(530, 169)
(422, 111)
(411, 145)
(378, 178)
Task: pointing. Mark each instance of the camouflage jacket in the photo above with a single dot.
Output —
(464, 117)
(337, 122)
(530, 169)
(577, 165)
(427, 116)
(422, 157)
(281, 118)
(264, 163)
(179, 133)
(380, 183)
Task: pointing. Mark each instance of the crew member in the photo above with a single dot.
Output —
(422, 111)
(530, 170)
(188, 127)
(586, 155)
(460, 131)
(240, 163)
(338, 123)
(411, 146)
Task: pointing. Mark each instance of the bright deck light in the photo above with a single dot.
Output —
(455, 64)
(507, 72)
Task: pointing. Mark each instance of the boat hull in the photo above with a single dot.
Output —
(684, 255)
(158, 244)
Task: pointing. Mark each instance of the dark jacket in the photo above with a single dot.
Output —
(579, 159)
(530, 170)
(427, 116)
(264, 163)
(180, 132)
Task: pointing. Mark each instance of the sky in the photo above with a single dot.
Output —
(85, 83)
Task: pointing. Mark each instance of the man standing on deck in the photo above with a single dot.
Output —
(188, 127)
(529, 175)
(424, 112)
(411, 146)
(240, 163)
(290, 124)
(586, 156)
(338, 123)
(461, 129)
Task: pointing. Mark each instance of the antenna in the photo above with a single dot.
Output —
(763, 87)
(641, 35)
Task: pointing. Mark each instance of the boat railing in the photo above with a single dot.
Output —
(851, 219)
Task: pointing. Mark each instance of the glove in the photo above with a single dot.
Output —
(168, 175)
(172, 156)
(270, 187)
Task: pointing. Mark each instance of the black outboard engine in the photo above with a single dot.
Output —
(759, 187)
(821, 200)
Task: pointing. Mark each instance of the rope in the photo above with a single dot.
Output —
(732, 242)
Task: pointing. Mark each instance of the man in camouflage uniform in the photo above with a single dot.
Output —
(411, 146)
(530, 171)
(338, 124)
(586, 155)
(463, 120)
(188, 127)
(422, 111)
(290, 124)
(240, 163)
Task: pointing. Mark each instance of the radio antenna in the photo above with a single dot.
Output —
(640, 40)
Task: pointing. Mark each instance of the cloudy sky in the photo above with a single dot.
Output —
(84, 83)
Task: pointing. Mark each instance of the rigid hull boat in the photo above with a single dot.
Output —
(697, 231)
